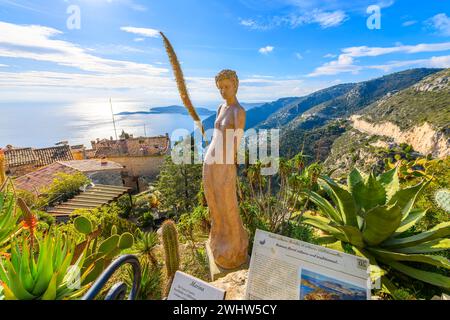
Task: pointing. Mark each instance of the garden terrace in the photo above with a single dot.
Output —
(92, 198)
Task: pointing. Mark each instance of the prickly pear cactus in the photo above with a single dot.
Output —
(98, 257)
(83, 225)
(442, 198)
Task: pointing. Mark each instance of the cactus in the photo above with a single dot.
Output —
(113, 230)
(442, 198)
(171, 251)
(83, 225)
(99, 257)
(126, 241)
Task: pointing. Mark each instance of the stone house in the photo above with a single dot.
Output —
(141, 157)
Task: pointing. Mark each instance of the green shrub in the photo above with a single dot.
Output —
(64, 187)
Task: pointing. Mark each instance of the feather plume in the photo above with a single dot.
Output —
(182, 88)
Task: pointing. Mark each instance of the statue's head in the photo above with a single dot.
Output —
(227, 82)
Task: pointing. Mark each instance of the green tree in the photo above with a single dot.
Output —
(179, 185)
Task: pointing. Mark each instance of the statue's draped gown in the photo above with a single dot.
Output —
(228, 239)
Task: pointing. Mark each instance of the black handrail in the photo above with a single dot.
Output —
(118, 290)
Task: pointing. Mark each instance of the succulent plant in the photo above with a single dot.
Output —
(372, 214)
(47, 274)
(99, 256)
(442, 198)
(171, 251)
(9, 215)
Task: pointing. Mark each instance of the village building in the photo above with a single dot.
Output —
(141, 157)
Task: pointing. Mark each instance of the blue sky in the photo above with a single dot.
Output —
(279, 48)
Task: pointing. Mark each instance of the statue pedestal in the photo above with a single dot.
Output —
(216, 272)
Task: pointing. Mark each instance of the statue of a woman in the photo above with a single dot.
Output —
(228, 239)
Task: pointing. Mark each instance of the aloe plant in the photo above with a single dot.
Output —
(9, 215)
(47, 274)
(372, 215)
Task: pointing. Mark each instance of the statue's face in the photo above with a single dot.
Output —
(227, 88)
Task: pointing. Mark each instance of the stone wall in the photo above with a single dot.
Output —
(138, 171)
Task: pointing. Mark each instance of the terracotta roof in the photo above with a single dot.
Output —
(49, 155)
(19, 157)
(40, 179)
(38, 157)
(92, 165)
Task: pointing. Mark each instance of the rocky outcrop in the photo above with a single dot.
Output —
(234, 284)
(423, 139)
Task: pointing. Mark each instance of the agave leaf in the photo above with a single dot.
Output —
(337, 245)
(410, 220)
(50, 293)
(323, 224)
(353, 235)
(405, 198)
(369, 194)
(353, 179)
(437, 261)
(345, 202)
(425, 276)
(442, 230)
(325, 240)
(380, 223)
(425, 247)
(325, 206)
(389, 180)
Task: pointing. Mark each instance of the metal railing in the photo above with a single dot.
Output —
(118, 290)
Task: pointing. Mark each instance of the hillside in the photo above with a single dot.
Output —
(418, 116)
(258, 113)
(427, 101)
(359, 97)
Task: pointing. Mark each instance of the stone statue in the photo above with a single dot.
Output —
(228, 240)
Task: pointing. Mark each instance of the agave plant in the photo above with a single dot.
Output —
(47, 274)
(374, 216)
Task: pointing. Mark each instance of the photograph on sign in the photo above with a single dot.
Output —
(282, 268)
(316, 286)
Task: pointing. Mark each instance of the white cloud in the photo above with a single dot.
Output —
(409, 23)
(440, 23)
(346, 60)
(329, 19)
(299, 56)
(330, 55)
(266, 50)
(326, 19)
(37, 43)
(144, 32)
(433, 62)
(138, 39)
